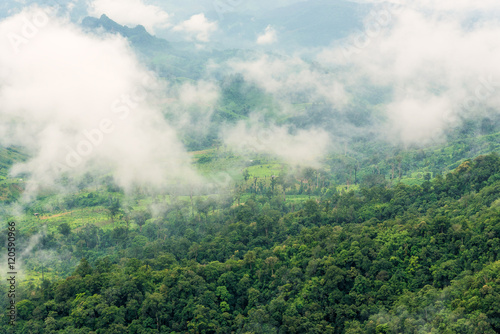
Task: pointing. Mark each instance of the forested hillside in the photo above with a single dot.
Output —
(406, 259)
(249, 167)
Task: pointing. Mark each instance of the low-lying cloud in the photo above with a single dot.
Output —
(304, 148)
(81, 102)
(198, 28)
(191, 105)
(269, 36)
(433, 64)
(443, 55)
(78, 101)
(292, 80)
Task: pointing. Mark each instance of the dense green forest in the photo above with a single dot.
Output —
(380, 259)
(284, 194)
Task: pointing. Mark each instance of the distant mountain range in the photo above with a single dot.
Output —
(138, 36)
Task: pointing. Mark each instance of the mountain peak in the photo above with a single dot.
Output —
(138, 35)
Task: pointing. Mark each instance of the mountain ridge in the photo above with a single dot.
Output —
(138, 36)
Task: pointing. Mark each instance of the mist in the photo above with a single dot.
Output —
(79, 103)
(432, 78)
(302, 148)
(440, 73)
(90, 105)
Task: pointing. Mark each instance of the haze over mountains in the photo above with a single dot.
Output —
(337, 71)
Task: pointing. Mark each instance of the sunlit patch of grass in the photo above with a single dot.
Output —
(345, 187)
(265, 170)
(76, 219)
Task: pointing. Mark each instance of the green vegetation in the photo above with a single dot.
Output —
(405, 259)
(383, 237)
(8, 156)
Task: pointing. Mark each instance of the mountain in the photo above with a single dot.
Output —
(168, 60)
(138, 36)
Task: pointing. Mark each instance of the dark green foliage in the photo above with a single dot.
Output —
(64, 229)
(407, 259)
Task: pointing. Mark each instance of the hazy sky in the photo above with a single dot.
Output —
(180, 8)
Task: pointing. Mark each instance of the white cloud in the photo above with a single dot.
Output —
(444, 54)
(191, 106)
(131, 12)
(81, 103)
(304, 148)
(268, 37)
(198, 27)
(419, 119)
(202, 93)
(292, 80)
(453, 5)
